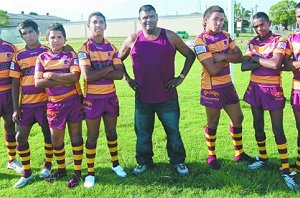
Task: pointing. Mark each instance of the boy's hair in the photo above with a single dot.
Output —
(209, 11)
(262, 15)
(96, 14)
(57, 27)
(146, 8)
(28, 23)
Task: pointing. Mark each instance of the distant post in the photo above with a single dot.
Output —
(231, 29)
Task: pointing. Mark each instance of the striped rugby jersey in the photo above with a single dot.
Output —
(293, 49)
(22, 67)
(96, 56)
(265, 49)
(205, 46)
(63, 62)
(7, 51)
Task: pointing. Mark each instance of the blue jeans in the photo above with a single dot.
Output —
(168, 113)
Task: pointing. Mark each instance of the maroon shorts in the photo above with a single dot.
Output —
(6, 106)
(268, 97)
(31, 115)
(218, 98)
(295, 99)
(59, 113)
(97, 107)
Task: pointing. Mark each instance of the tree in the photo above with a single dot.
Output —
(3, 18)
(33, 13)
(283, 13)
(241, 15)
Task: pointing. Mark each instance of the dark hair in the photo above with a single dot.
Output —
(146, 8)
(96, 14)
(57, 27)
(209, 11)
(28, 23)
(298, 6)
(262, 15)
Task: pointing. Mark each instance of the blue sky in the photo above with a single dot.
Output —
(76, 10)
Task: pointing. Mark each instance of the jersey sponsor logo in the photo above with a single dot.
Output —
(9, 56)
(66, 62)
(82, 55)
(12, 66)
(281, 45)
(76, 62)
(199, 49)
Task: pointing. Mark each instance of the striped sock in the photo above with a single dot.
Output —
(11, 146)
(261, 143)
(77, 156)
(24, 153)
(298, 156)
(210, 137)
(59, 153)
(90, 150)
(48, 154)
(283, 154)
(112, 143)
(236, 134)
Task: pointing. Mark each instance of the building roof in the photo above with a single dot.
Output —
(35, 17)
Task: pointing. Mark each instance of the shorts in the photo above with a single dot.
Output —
(59, 113)
(295, 99)
(97, 107)
(6, 105)
(268, 97)
(218, 98)
(32, 115)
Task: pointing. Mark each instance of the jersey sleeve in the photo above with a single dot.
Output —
(14, 70)
(201, 50)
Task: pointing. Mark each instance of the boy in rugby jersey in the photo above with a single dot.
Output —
(32, 107)
(215, 49)
(59, 72)
(100, 66)
(264, 56)
(292, 63)
(7, 51)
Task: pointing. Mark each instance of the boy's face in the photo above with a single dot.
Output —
(56, 41)
(30, 36)
(261, 27)
(214, 23)
(97, 26)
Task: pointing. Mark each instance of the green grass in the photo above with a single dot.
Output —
(233, 180)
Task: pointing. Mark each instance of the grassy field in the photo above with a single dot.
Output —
(233, 180)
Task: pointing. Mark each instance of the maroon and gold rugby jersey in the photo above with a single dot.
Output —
(63, 62)
(7, 51)
(96, 56)
(22, 67)
(205, 46)
(265, 49)
(293, 49)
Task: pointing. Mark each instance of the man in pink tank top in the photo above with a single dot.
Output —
(152, 51)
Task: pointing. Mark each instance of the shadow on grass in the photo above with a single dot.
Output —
(233, 176)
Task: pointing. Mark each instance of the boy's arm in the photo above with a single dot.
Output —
(62, 78)
(116, 74)
(92, 75)
(248, 64)
(16, 117)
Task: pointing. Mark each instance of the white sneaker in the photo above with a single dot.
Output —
(257, 164)
(45, 172)
(16, 166)
(23, 181)
(119, 170)
(290, 181)
(89, 181)
(181, 169)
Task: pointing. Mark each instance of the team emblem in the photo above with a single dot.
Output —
(199, 49)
